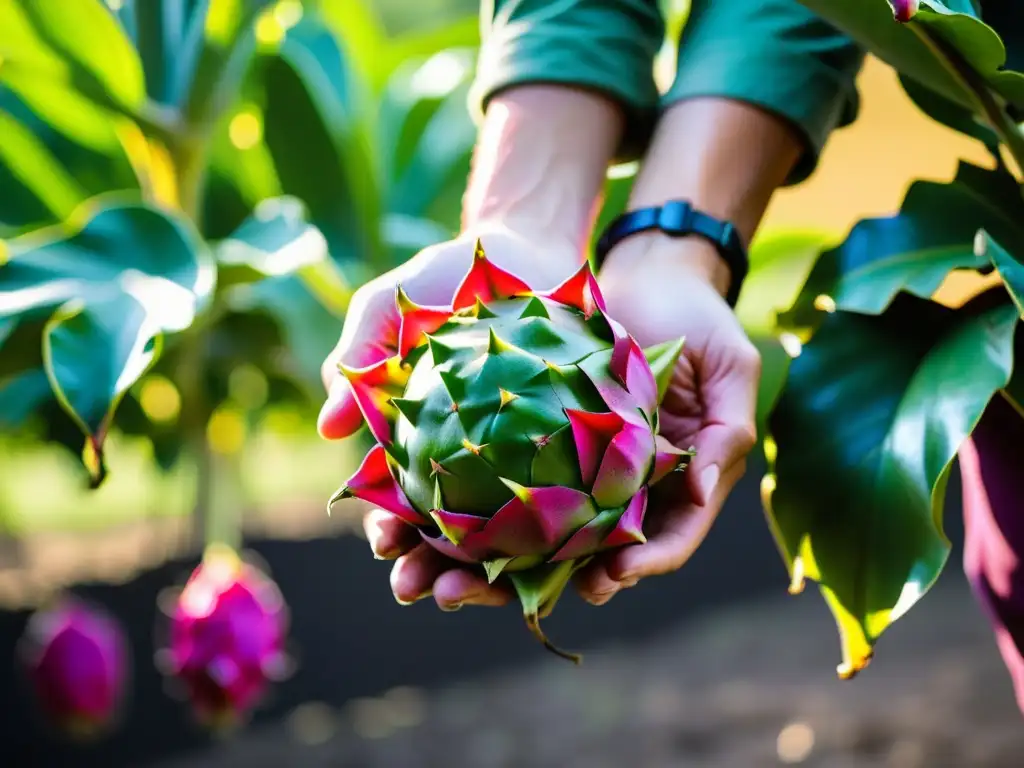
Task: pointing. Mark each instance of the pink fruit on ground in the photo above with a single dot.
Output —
(227, 637)
(76, 656)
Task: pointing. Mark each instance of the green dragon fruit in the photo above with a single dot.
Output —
(516, 429)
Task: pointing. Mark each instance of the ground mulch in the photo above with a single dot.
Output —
(746, 687)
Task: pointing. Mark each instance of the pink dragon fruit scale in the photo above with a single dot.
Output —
(227, 634)
(76, 657)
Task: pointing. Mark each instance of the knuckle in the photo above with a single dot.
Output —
(747, 439)
(749, 358)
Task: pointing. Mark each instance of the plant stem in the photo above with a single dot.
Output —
(189, 154)
(215, 515)
(194, 417)
(982, 94)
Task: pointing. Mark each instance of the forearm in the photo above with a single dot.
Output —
(540, 162)
(727, 158)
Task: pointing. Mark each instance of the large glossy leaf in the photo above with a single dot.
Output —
(914, 250)
(1009, 266)
(872, 415)
(320, 151)
(779, 264)
(109, 286)
(169, 36)
(277, 264)
(871, 23)
(275, 241)
(949, 113)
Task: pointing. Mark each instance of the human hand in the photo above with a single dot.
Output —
(370, 334)
(661, 289)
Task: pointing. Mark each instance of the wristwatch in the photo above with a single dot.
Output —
(678, 218)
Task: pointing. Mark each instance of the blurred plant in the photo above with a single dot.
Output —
(227, 630)
(76, 656)
(189, 188)
(886, 383)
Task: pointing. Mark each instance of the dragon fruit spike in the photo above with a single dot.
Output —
(517, 430)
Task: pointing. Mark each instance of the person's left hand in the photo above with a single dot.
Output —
(661, 289)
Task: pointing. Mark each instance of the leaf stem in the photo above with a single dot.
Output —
(983, 96)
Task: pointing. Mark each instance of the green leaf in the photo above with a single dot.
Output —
(1008, 266)
(914, 250)
(31, 163)
(209, 86)
(276, 240)
(428, 135)
(67, 111)
(309, 326)
(110, 286)
(872, 415)
(321, 154)
(779, 265)
(169, 35)
(775, 361)
(871, 23)
(949, 113)
(239, 175)
(87, 35)
(20, 395)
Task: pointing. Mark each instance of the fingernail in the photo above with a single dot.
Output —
(600, 598)
(451, 607)
(416, 599)
(708, 481)
(632, 581)
(388, 554)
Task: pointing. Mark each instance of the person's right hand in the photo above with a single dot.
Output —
(369, 335)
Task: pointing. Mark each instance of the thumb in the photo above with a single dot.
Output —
(368, 337)
(728, 432)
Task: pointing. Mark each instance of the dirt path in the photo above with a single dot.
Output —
(746, 688)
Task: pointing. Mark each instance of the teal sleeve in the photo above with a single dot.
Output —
(775, 54)
(606, 46)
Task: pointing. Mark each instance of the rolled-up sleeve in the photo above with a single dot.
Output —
(775, 54)
(606, 46)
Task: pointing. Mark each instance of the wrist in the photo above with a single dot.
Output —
(540, 162)
(668, 257)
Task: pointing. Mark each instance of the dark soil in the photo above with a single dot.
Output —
(745, 687)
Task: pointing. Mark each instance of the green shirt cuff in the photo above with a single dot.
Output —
(607, 47)
(776, 55)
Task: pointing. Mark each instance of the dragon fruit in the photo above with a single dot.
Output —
(516, 429)
(227, 637)
(76, 657)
